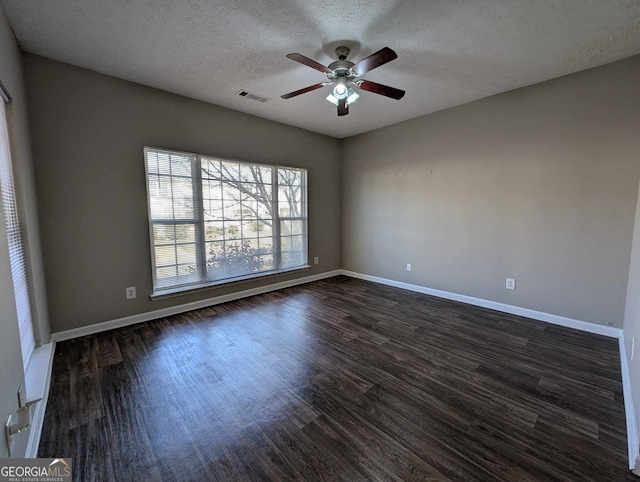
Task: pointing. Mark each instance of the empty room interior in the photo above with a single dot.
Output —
(289, 240)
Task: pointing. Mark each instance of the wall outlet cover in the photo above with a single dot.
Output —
(511, 284)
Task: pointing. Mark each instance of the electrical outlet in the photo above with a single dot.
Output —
(316, 260)
(130, 292)
(408, 266)
(511, 284)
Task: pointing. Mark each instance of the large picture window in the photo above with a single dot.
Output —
(214, 220)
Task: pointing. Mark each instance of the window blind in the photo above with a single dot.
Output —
(14, 225)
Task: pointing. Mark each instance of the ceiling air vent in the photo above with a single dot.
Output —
(249, 95)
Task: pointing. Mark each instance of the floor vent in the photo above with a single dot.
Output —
(249, 95)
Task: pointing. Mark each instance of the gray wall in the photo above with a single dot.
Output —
(538, 184)
(88, 133)
(632, 320)
(11, 370)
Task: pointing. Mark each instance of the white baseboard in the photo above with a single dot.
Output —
(494, 305)
(633, 440)
(38, 380)
(174, 310)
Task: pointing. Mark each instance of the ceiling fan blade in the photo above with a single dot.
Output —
(381, 57)
(381, 89)
(343, 107)
(304, 91)
(309, 63)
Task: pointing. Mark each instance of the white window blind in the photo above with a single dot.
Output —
(14, 225)
(214, 220)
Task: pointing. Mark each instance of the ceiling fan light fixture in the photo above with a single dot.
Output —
(340, 91)
(351, 96)
(332, 99)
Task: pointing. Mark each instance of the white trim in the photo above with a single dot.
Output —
(197, 287)
(633, 441)
(174, 310)
(37, 382)
(494, 305)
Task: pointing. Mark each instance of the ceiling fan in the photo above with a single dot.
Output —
(345, 75)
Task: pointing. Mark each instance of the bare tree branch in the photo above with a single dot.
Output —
(287, 182)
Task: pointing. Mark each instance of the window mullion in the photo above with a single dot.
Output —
(201, 255)
(277, 255)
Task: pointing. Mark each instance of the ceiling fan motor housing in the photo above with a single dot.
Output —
(342, 52)
(342, 67)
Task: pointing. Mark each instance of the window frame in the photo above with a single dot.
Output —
(199, 222)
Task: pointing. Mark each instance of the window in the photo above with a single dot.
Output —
(214, 220)
(14, 225)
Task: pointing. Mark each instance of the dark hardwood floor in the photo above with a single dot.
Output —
(339, 379)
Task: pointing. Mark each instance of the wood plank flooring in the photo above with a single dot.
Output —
(339, 380)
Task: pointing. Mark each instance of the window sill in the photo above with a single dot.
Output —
(185, 290)
(37, 379)
(37, 371)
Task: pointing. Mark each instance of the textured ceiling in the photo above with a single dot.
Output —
(450, 52)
